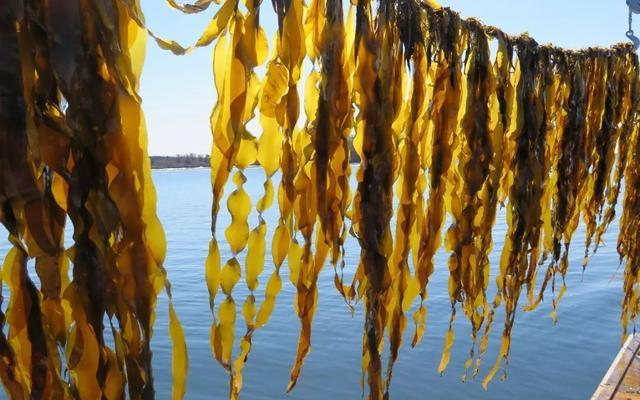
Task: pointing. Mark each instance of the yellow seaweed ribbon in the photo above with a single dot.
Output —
(94, 168)
(628, 239)
(469, 272)
(379, 63)
(501, 103)
(409, 132)
(31, 365)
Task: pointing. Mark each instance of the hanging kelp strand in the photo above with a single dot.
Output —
(501, 102)
(31, 366)
(242, 47)
(443, 33)
(96, 170)
(334, 123)
(379, 65)
(304, 273)
(571, 173)
(604, 96)
(405, 287)
(525, 185)
(468, 273)
(556, 92)
(629, 238)
(451, 120)
(618, 155)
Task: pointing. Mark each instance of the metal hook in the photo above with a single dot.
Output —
(636, 41)
(634, 7)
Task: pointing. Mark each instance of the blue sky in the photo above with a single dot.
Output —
(178, 92)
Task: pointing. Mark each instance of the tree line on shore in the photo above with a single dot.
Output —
(192, 160)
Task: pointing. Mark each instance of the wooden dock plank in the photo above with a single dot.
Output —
(622, 380)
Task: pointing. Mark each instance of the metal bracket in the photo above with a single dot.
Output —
(634, 6)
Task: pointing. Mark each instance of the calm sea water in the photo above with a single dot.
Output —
(563, 361)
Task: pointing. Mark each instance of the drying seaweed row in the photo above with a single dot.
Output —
(445, 129)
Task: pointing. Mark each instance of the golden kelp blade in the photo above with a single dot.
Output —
(328, 115)
(31, 364)
(214, 29)
(556, 91)
(379, 64)
(600, 98)
(409, 132)
(523, 210)
(468, 268)
(241, 48)
(500, 106)
(629, 238)
(198, 6)
(626, 111)
(94, 168)
(438, 154)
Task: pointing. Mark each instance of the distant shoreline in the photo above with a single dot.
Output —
(189, 161)
(180, 161)
(208, 167)
(177, 168)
